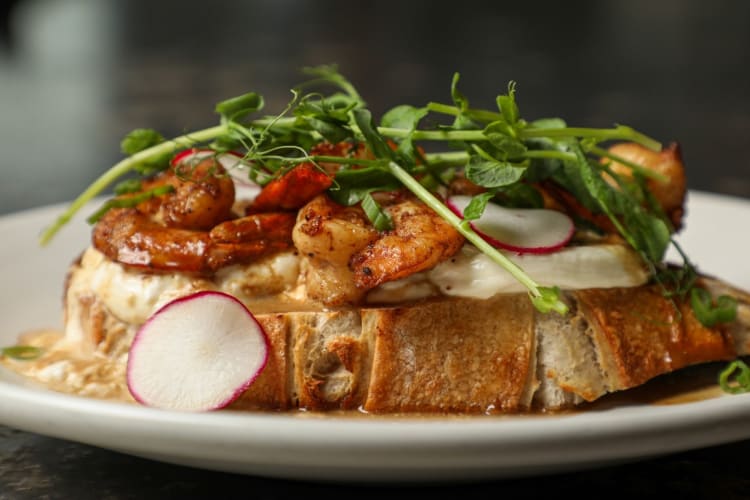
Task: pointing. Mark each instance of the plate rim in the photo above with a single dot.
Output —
(492, 446)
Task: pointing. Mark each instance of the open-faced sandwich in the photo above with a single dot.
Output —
(449, 259)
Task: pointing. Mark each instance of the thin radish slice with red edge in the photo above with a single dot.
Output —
(196, 353)
(522, 230)
(229, 160)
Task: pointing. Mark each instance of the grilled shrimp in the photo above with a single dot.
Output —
(327, 235)
(129, 237)
(670, 194)
(203, 196)
(191, 229)
(345, 256)
(420, 239)
(667, 162)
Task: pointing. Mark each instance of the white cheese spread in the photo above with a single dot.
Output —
(132, 296)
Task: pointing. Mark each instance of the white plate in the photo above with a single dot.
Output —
(343, 448)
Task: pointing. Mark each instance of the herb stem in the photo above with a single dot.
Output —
(446, 213)
(549, 154)
(21, 352)
(620, 132)
(646, 172)
(341, 160)
(479, 114)
(123, 167)
(434, 135)
(449, 157)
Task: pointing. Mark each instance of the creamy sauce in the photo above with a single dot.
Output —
(65, 370)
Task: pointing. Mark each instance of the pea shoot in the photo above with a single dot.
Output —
(496, 148)
(735, 378)
(21, 352)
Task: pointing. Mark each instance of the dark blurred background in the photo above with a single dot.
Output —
(76, 75)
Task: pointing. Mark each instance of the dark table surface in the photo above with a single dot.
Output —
(76, 76)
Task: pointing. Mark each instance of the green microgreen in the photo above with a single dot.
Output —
(352, 185)
(476, 206)
(507, 105)
(495, 148)
(735, 378)
(238, 108)
(545, 299)
(492, 173)
(128, 186)
(677, 281)
(381, 220)
(139, 139)
(710, 311)
(129, 201)
(21, 352)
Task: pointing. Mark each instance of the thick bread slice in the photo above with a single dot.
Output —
(272, 389)
(619, 338)
(497, 355)
(331, 353)
(568, 368)
(454, 354)
(640, 334)
(457, 355)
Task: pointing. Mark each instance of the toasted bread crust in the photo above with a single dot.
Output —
(454, 354)
(642, 334)
(271, 390)
(461, 355)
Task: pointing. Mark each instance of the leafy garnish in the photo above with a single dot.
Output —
(496, 149)
(507, 105)
(127, 166)
(677, 281)
(549, 300)
(140, 139)
(238, 108)
(128, 186)
(475, 208)
(711, 312)
(493, 173)
(735, 378)
(379, 217)
(405, 117)
(130, 201)
(21, 352)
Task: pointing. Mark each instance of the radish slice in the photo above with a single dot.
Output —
(196, 353)
(522, 230)
(231, 161)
